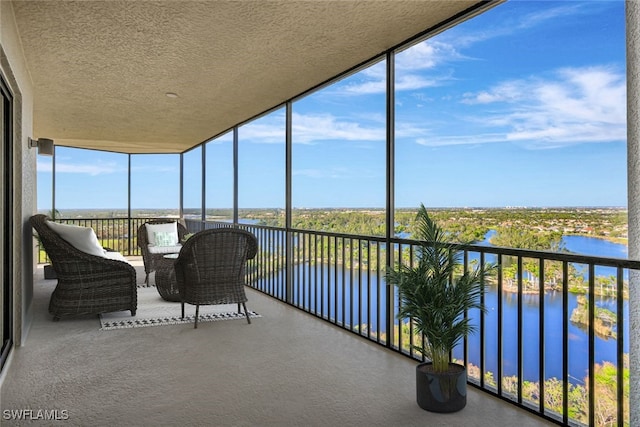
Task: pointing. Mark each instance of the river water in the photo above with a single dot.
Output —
(373, 288)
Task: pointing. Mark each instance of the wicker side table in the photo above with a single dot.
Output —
(166, 278)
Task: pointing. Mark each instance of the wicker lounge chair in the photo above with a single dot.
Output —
(211, 268)
(151, 260)
(87, 284)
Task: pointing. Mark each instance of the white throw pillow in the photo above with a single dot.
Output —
(164, 238)
(169, 227)
(82, 238)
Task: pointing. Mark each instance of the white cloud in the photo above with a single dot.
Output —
(372, 117)
(510, 23)
(511, 91)
(572, 105)
(318, 127)
(410, 130)
(541, 17)
(365, 88)
(407, 81)
(427, 55)
(576, 105)
(86, 169)
(412, 63)
(415, 82)
(402, 83)
(371, 80)
(312, 128)
(408, 66)
(266, 132)
(437, 141)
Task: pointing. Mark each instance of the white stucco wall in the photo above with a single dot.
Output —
(14, 71)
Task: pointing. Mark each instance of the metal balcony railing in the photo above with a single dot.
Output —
(554, 339)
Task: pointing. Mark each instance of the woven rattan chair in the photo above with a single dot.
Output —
(211, 268)
(87, 284)
(151, 260)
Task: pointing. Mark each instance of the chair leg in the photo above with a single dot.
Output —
(239, 311)
(246, 313)
(195, 324)
(182, 304)
(146, 279)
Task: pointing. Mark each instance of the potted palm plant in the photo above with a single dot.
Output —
(435, 293)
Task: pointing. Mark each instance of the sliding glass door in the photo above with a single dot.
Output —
(6, 142)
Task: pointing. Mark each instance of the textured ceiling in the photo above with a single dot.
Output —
(101, 69)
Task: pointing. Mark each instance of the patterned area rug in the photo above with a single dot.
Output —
(154, 311)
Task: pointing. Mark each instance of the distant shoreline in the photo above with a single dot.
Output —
(509, 208)
(605, 223)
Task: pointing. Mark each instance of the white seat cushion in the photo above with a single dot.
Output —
(82, 238)
(117, 256)
(165, 249)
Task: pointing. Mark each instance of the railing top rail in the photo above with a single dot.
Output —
(112, 218)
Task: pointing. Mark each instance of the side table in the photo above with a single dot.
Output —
(166, 278)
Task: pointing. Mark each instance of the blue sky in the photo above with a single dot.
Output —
(524, 105)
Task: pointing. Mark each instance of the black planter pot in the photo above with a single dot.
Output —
(49, 272)
(441, 392)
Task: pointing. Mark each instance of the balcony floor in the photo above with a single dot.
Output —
(286, 368)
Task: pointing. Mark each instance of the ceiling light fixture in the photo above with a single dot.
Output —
(171, 95)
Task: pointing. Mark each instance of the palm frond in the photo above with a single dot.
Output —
(433, 296)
